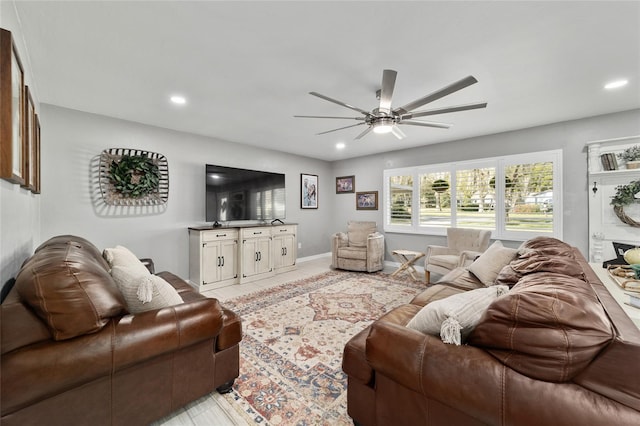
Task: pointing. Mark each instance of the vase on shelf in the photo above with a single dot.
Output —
(633, 164)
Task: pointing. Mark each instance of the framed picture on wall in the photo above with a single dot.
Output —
(367, 200)
(29, 154)
(308, 191)
(12, 110)
(345, 184)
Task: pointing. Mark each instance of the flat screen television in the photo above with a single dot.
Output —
(241, 194)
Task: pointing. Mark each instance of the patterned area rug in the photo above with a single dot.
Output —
(294, 335)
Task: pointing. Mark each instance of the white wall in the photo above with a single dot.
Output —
(19, 208)
(73, 140)
(570, 136)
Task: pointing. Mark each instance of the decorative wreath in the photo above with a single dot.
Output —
(135, 175)
(625, 195)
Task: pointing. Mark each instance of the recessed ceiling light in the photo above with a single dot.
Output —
(180, 100)
(615, 84)
(340, 145)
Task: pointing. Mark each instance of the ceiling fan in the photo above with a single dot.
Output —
(383, 119)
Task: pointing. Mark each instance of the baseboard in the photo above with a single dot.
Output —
(314, 257)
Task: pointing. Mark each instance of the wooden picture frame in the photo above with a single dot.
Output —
(367, 200)
(12, 110)
(345, 184)
(29, 153)
(36, 154)
(308, 191)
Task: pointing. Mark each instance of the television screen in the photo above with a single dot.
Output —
(241, 194)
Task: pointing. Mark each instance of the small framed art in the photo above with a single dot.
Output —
(12, 110)
(345, 184)
(308, 191)
(367, 200)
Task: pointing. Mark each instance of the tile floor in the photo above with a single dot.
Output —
(213, 409)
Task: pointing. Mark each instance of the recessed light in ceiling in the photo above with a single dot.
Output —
(615, 84)
(180, 100)
(340, 145)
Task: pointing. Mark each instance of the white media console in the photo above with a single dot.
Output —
(234, 255)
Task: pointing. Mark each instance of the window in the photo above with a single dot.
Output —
(515, 196)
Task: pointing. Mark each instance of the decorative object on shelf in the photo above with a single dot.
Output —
(632, 256)
(626, 195)
(133, 177)
(609, 161)
(367, 200)
(308, 191)
(631, 156)
(345, 184)
(12, 110)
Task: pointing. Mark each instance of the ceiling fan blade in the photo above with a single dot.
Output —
(335, 101)
(442, 110)
(341, 128)
(426, 124)
(326, 116)
(363, 134)
(397, 132)
(386, 92)
(454, 87)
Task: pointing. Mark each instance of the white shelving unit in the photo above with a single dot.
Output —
(604, 226)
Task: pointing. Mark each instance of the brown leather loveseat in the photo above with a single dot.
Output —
(72, 354)
(556, 349)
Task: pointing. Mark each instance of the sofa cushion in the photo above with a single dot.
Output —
(548, 327)
(122, 256)
(359, 231)
(144, 292)
(455, 316)
(69, 289)
(460, 278)
(546, 245)
(490, 263)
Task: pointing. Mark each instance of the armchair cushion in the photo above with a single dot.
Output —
(353, 253)
(359, 231)
(449, 261)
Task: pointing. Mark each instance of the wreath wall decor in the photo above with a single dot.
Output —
(131, 177)
(625, 195)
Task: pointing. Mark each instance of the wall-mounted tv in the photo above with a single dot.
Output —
(241, 194)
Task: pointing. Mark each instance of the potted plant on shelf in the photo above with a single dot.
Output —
(631, 157)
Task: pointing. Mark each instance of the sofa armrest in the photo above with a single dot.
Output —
(464, 377)
(153, 333)
(149, 264)
(339, 239)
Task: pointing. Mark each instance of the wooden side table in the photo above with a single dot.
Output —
(408, 258)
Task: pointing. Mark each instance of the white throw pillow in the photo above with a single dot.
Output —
(122, 256)
(454, 317)
(144, 292)
(489, 264)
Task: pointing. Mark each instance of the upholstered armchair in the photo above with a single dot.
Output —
(361, 248)
(463, 246)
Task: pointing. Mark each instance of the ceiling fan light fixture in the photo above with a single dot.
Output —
(382, 128)
(383, 125)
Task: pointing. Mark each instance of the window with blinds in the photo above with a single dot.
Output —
(515, 196)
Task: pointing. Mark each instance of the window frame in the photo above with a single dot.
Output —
(499, 163)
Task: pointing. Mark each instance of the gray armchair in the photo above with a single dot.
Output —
(361, 248)
(463, 246)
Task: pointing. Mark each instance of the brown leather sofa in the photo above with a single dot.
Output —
(555, 350)
(72, 355)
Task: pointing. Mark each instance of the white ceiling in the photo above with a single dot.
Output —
(246, 67)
